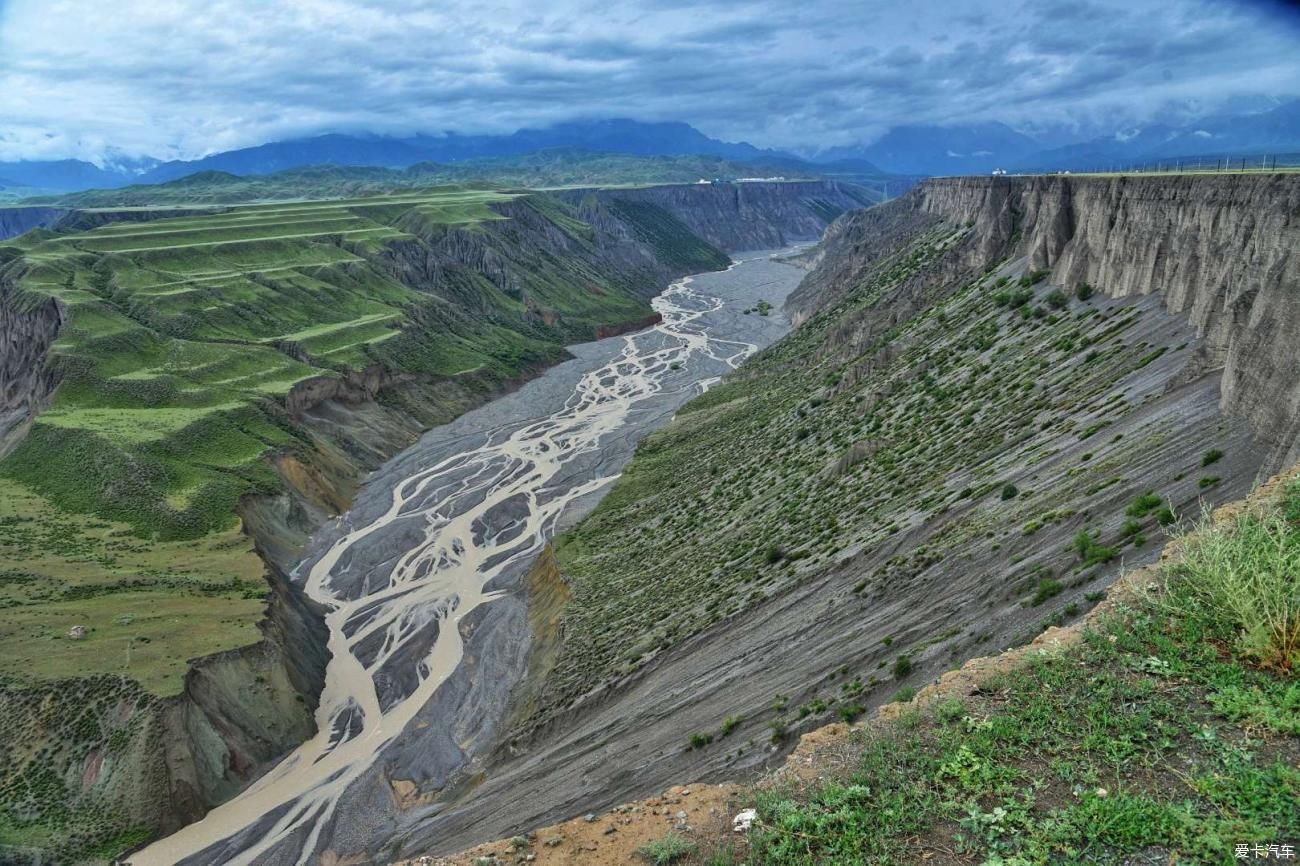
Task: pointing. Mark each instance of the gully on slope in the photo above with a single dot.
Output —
(479, 515)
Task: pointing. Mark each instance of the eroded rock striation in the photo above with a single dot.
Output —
(1222, 250)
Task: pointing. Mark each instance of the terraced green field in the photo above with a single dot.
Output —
(182, 342)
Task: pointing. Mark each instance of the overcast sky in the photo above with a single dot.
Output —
(181, 78)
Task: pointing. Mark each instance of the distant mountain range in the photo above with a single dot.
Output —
(605, 136)
(908, 150)
(544, 168)
(980, 148)
(1276, 131)
(965, 149)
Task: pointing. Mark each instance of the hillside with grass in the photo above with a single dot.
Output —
(1003, 392)
(187, 349)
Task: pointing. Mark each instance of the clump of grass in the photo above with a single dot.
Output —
(1091, 551)
(1047, 588)
(1212, 456)
(1144, 505)
(1246, 572)
(668, 849)
(779, 730)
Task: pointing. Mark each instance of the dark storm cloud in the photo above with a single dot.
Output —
(84, 78)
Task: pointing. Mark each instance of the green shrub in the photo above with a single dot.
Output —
(1211, 456)
(1056, 298)
(1090, 551)
(1083, 291)
(849, 712)
(1208, 481)
(1009, 491)
(729, 724)
(699, 741)
(778, 730)
(1245, 575)
(1034, 278)
(902, 666)
(903, 695)
(1291, 503)
(1144, 505)
(1047, 588)
(669, 849)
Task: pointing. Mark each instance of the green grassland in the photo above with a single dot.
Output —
(183, 338)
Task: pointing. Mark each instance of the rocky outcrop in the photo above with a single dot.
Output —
(1222, 250)
(28, 327)
(242, 710)
(15, 221)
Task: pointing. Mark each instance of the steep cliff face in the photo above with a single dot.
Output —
(15, 221)
(1223, 251)
(28, 327)
(749, 216)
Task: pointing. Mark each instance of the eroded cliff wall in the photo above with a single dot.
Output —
(1222, 250)
(15, 221)
(747, 216)
(28, 327)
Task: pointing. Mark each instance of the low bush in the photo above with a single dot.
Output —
(1246, 573)
(1090, 550)
(669, 849)
(1047, 588)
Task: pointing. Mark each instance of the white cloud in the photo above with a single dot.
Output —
(182, 78)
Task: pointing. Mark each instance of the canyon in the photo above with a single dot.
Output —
(146, 760)
(998, 392)
(955, 449)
